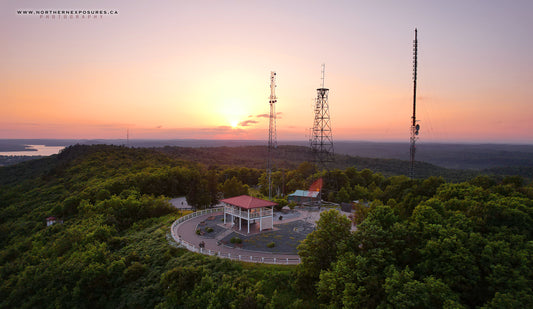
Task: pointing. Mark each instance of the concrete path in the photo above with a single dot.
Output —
(187, 231)
(185, 234)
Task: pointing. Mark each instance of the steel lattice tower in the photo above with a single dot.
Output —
(322, 137)
(272, 141)
(414, 126)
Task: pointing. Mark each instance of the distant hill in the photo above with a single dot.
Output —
(287, 156)
(457, 156)
(487, 158)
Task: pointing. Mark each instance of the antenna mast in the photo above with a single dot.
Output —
(323, 73)
(322, 138)
(414, 126)
(272, 142)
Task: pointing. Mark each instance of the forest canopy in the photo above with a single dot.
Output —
(419, 243)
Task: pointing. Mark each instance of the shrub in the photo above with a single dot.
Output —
(280, 203)
(236, 240)
(271, 245)
(134, 271)
(102, 195)
(198, 232)
(292, 205)
(209, 229)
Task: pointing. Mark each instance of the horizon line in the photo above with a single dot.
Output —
(395, 141)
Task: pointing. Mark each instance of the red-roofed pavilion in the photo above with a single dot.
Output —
(244, 207)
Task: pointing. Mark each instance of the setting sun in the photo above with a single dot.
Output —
(217, 85)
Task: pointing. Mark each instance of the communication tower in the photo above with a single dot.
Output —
(272, 142)
(415, 127)
(322, 138)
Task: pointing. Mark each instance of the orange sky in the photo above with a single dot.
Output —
(200, 69)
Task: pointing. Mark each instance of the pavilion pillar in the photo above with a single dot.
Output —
(260, 219)
(248, 221)
(272, 217)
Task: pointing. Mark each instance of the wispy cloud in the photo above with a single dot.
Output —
(247, 123)
(278, 115)
(222, 130)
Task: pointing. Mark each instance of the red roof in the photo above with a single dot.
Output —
(247, 202)
(50, 218)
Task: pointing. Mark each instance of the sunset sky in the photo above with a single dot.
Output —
(201, 69)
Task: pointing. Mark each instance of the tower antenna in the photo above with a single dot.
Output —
(323, 73)
(272, 141)
(415, 128)
(322, 138)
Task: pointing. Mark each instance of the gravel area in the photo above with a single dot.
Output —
(286, 237)
(213, 223)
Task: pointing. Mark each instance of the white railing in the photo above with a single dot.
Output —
(235, 257)
(252, 215)
(198, 213)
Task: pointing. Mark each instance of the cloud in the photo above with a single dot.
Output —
(278, 115)
(216, 129)
(247, 123)
(222, 130)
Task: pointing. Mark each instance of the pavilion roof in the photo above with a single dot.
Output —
(247, 202)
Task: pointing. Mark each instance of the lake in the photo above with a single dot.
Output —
(34, 150)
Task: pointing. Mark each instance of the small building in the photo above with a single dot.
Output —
(180, 203)
(249, 209)
(52, 221)
(302, 196)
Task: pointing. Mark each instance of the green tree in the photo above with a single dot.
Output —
(403, 291)
(343, 195)
(212, 187)
(233, 187)
(320, 248)
(199, 195)
(179, 282)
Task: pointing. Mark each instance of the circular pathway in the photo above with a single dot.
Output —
(215, 238)
(286, 236)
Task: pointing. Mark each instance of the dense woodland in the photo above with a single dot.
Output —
(424, 243)
(11, 160)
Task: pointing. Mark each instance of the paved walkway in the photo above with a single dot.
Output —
(187, 231)
(185, 234)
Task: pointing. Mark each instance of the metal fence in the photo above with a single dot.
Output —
(235, 257)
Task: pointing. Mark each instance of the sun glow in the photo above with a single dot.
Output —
(234, 123)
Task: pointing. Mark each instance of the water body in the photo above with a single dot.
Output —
(34, 150)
